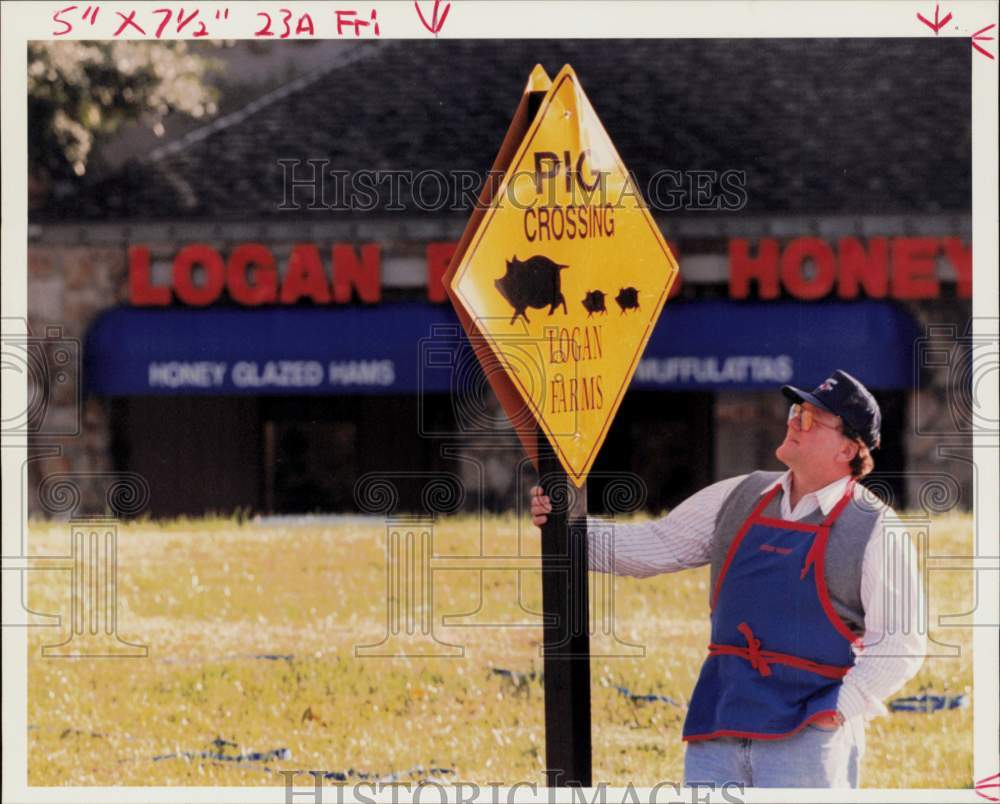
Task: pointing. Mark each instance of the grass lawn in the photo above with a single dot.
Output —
(252, 631)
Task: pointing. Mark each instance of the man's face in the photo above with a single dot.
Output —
(822, 444)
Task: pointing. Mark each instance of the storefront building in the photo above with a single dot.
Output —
(254, 338)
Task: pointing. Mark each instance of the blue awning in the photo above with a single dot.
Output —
(410, 347)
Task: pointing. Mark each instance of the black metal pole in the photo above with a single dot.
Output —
(566, 637)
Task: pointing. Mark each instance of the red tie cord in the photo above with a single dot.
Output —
(761, 660)
(757, 661)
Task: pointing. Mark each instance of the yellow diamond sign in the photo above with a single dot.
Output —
(565, 274)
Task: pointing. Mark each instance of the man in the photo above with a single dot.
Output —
(812, 625)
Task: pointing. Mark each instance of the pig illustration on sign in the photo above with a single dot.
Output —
(628, 299)
(593, 302)
(535, 282)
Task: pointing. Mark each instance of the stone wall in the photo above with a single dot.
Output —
(69, 443)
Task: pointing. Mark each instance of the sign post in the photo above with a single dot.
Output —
(558, 280)
(566, 637)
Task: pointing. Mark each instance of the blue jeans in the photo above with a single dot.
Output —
(811, 758)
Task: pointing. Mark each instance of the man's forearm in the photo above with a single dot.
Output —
(877, 676)
(641, 550)
(680, 540)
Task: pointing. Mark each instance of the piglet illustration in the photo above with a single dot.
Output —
(628, 299)
(593, 302)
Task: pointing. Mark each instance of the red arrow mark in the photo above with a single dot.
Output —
(435, 25)
(934, 26)
(990, 782)
(978, 37)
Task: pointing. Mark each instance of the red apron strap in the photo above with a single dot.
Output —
(823, 533)
(765, 501)
(734, 546)
(769, 657)
(838, 509)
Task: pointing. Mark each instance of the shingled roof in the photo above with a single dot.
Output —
(847, 126)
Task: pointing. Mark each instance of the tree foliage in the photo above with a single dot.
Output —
(79, 91)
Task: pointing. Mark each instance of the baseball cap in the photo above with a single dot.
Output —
(844, 396)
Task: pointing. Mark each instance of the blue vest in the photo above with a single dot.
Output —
(778, 650)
